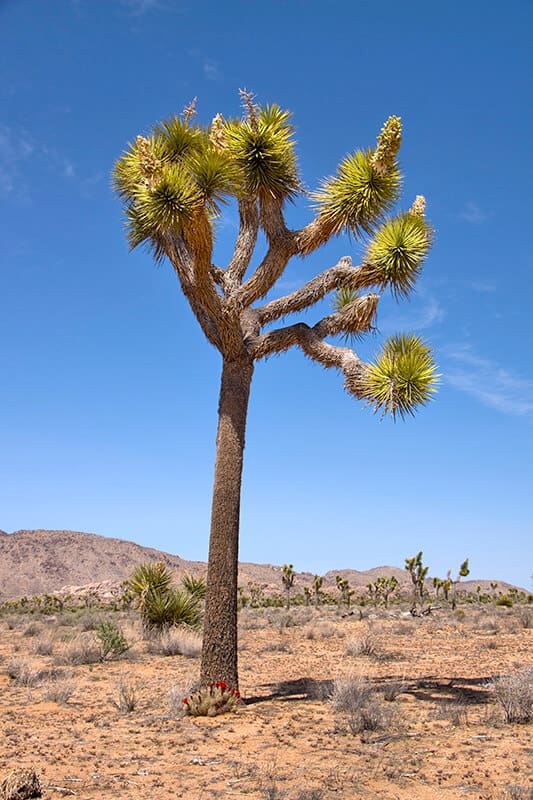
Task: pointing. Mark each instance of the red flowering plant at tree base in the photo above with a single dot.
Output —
(214, 699)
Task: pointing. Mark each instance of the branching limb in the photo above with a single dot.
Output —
(182, 262)
(281, 249)
(342, 275)
(245, 244)
(305, 337)
(353, 319)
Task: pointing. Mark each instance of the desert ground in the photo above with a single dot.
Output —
(415, 713)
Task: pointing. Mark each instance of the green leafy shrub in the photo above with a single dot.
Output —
(505, 600)
(111, 639)
(210, 701)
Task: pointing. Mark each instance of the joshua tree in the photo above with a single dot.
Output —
(287, 578)
(344, 588)
(382, 588)
(173, 183)
(317, 586)
(418, 573)
(463, 572)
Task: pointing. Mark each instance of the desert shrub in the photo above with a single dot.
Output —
(59, 688)
(165, 610)
(161, 606)
(505, 600)
(33, 629)
(127, 697)
(111, 638)
(43, 646)
(175, 697)
(23, 673)
(210, 701)
(392, 690)
(516, 792)
(452, 711)
(310, 794)
(364, 645)
(525, 617)
(176, 642)
(323, 630)
(279, 646)
(81, 650)
(514, 693)
(355, 699)
(87, 620)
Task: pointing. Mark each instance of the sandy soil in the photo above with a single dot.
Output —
(443, 735)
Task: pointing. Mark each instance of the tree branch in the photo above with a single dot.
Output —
(342, 275)
(281, 249)
(245, 244)
(182, 262)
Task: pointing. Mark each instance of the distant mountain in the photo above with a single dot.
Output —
(39, 562)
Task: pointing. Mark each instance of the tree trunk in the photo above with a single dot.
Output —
(219, 650)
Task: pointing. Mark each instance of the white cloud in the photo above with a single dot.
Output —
(419, 316)
(472, 214)
(490, 383)
(211, 70)
(484, 287)
(15, 148)
(139, 7)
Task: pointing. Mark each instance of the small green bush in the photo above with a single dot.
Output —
(111, 639)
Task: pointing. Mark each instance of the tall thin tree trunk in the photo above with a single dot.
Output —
(219, 651)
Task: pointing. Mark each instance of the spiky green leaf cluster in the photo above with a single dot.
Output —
(262, 149)
(394, 256)
(358, 196)
(161, 606)
(402, 377)
(183, 170)
(343, 297)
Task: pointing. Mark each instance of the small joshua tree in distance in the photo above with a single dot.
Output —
(173, 184)
(418, 573)
(318, 580)
(287, 578)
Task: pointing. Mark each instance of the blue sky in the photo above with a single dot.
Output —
(108, 390)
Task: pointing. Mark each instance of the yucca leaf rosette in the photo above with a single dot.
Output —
(402, 377)
(395, 255)
(262, 149)
(365, 187)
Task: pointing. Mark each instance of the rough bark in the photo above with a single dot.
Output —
(219, 652)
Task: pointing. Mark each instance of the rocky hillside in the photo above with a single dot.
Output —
(39, 562)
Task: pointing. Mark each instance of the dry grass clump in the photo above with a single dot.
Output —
(33, 629)
(252, 619)
(323, 630)
(23, 673)
(525, 617)
(59, 688)
(177, 694)
(517, 792)
(127, 693)
(176, 642)
(43, 646)
(514, 693)
(354, 697)
(364, 645)
(81, 650)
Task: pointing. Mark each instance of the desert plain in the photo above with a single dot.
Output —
(433, 726)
